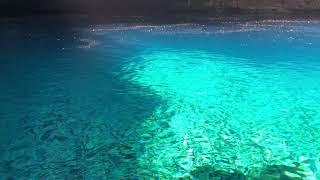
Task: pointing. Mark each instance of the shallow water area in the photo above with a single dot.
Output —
(202, 100)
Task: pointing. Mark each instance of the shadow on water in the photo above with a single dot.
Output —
(65, 111)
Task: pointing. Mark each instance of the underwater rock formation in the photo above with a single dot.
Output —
(294, 171)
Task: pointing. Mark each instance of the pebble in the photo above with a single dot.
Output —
(186, 163)
(292, 175)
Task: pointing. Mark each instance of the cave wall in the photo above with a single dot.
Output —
(132, 7)
(164, 6)
(253, 5)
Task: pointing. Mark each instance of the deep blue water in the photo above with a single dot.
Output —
(80, 100)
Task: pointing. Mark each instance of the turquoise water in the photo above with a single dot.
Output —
(202, 100)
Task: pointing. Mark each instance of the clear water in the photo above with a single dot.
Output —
(196, 100)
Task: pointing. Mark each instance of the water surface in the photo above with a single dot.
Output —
(202, 99)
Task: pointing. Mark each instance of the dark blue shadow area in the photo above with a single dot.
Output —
(65, 112)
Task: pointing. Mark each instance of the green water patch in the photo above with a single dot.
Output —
(228, 114)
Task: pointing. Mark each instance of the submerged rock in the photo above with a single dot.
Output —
(164, 125)
(209, 172)
(186, 163)
(271, 172)
(281, 172)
